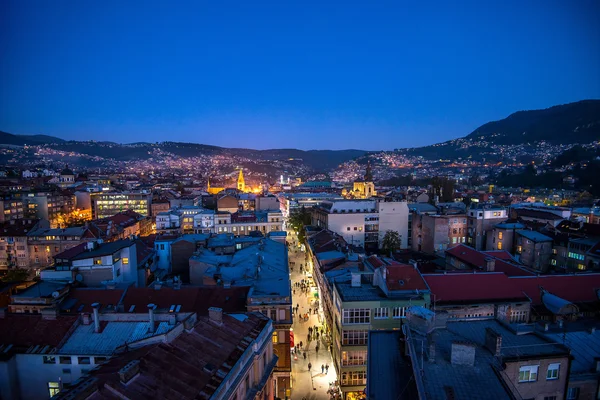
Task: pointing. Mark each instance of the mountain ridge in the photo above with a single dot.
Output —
(577, 122)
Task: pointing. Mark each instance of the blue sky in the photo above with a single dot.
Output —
(311, 75)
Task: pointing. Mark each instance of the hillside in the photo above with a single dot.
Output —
(21, 140)
(568, 123)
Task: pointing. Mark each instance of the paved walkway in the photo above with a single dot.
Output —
(312, 385)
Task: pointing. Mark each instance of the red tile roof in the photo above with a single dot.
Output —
(31, 330)
(404, 277)
(501, 254)
(191, 366)
(471, 288)
(580, 288)
(477, 259)
(375, 261)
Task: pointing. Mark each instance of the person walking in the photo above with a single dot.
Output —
(300, 344)
(304, 354)
(322, 368)
(327, 368)
(317, 347)
(309, 366)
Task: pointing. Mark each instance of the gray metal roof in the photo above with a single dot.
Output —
(389, 375)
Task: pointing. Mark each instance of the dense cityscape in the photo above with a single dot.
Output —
(280, 201)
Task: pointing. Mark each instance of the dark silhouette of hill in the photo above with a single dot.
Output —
(21, 140)
(568, 123)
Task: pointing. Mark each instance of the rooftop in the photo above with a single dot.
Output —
(24, 331)
(191, 366)
(580, 288)
(534, 236)
(478, 259)
(105, 249)
(389, 374)
(114, 334)
(473, 288)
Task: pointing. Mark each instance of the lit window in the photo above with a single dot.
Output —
(528, 373)
(49, 360)
(499, 245)
(275, 337)
(552, 371)
(53, 388)
(499, 235)
(125, 260)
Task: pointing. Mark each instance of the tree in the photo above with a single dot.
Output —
(391, 242)
(299, 220)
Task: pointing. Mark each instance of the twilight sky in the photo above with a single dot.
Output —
(259, 74)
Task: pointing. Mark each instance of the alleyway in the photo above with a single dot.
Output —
(314, 384)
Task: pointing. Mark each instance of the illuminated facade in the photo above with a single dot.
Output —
(108, 204)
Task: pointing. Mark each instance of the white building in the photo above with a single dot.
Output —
(363, 222)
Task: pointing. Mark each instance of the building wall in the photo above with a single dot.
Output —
(33, 375)
(181, 251)
(394, 216)
(534, 255)
(542, 387)
(108, 204)
(42, 251)
(227, 203)
(501, 239)
(350, 226)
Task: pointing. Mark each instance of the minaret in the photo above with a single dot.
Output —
(208, 185)
(241, 185)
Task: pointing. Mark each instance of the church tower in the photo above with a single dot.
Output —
(241, 185)
(369, 173)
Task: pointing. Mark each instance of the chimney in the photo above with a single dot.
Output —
(462, 353)
(96, 307)
(355, 280)
(215, 315)
(431, 342)
(129, 371)
(151, 308)
(490, 264)
(493, 341)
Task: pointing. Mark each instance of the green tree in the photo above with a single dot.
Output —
(391, 242)
(15, 275)
(299, 220)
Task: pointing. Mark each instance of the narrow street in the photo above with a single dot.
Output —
(312, 384)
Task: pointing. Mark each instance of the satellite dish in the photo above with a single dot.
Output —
(79, 278)
(55, 295)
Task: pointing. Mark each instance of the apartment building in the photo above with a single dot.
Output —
(481, 360)
(365, 302)
(14, 250)
(49, 205)
(96, 263)
(45, 243)
(108, 204)
(363, 222)
(434, 233)
(481, 220)
(242, 367)
(11, 208)
(264, 267)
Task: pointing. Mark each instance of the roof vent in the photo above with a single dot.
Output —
(209, 368)
(129, 371)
